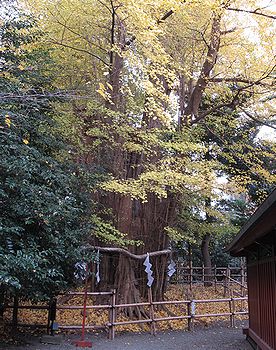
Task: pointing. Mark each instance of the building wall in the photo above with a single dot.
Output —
(262, 291)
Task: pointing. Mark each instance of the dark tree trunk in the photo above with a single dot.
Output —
(206, 259)
(144, 222)
(2, 302)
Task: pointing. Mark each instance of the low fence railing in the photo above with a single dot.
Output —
(190, 315)
(201, 274)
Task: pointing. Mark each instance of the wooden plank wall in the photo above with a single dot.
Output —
(262, 300)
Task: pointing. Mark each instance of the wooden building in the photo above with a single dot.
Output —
(257, 242)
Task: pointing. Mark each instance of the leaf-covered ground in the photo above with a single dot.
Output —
(100, 317)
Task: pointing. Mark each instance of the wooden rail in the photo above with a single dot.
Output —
(201, 274)
(190, 315)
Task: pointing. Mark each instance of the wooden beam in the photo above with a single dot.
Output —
(128, 253)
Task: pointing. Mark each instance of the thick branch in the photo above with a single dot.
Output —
(231, 104)
(235, 100)
(126, 252)
(209, 63)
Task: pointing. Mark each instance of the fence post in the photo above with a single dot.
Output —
(224, 284)
(112, 315)
(228, 280)
(15, 314)
(177, 273)
(215, 277)
(203, 274)
(52, 312)
(232, 311)
(2, 302)
(191, 314)
(191, 275)
(152, 326)
(242, 286)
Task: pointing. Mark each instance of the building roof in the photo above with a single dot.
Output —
(262, 221)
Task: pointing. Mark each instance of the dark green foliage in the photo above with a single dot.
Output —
(240, 153)
(238, 211)
(235, 211)
(42, 211)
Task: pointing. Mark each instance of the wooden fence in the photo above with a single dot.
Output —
(190, 315)
(200, 274)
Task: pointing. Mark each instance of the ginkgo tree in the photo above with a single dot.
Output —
(141, 75)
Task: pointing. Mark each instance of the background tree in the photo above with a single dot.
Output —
(43, 213)
(233, 141)
(231, 214)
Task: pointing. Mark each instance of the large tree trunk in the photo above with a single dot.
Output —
(144, 222)
(139, 221)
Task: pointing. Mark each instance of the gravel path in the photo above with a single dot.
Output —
(214, 338)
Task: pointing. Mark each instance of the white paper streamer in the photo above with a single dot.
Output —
(98, 267)
(193, 308)
(80, 270)
(171, 268)
(148, 270)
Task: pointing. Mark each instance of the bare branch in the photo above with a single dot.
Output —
(254, 12)
(232, 30)
(80, 50)
(103, 4)
(161, 20)
(233, 153)
(238, 80)
(257, 120)
(166, 15)
(86, 38)
(265, 75)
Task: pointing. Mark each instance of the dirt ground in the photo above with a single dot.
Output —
(217, 337)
